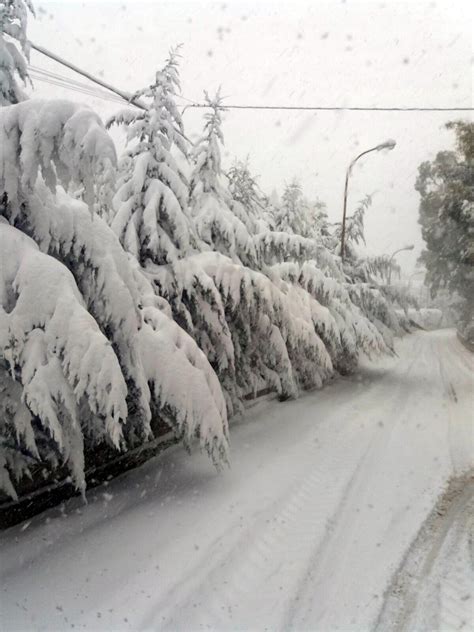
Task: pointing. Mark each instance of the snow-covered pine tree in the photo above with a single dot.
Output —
(293, 215)
(248, 202)
(300, 257)
(258, 212)
(282, 253)
(227, 306)
(340, 324)
(211, 304)
(297, 232)
(226, 313)
(365, 276)
(14, 48)
(151, 205)
(257, 309)
(86, 364)
(212, 206)
(152, 216)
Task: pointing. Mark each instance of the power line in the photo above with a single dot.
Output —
(66, 86)
(131, 100)
(68, 80)
(123, 95)
(42, 75)
(337, 108)
(75, 89)
(55, 75)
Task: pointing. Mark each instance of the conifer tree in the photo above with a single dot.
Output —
(14, 49)
(213, 208)
(83, 337)
(151, 205)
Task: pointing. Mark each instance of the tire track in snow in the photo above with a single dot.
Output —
(259, 527)
(313, 581)
(272, 556)
(433, 587)
(452, 370)
(255, 559)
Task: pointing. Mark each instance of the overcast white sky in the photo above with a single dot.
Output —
(357, 52)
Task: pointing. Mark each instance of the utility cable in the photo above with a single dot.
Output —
(308, 108)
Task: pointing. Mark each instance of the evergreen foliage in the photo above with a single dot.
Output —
(165, 290)
(446, 188)
(14, 49)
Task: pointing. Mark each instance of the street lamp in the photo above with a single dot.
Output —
(388, 144)
(409, 247)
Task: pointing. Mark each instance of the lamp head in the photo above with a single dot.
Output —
(388, 144)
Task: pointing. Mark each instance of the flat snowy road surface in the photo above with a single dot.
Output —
(324, 522)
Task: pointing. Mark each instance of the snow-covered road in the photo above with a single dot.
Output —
(306, 531)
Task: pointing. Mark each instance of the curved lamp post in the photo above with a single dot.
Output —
(409, 247)
(388, 144)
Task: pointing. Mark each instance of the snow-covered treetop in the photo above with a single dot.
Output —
(290, 215)
(13, 22)
(64, 142)
(217, 222)
(159, 123)
(244, 187)
(151, 214)
(206, 153)
(296, 215)
(248, 203)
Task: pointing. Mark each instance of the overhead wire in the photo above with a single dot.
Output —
(326, 108)
(132, 100)
(54, 75)
(75, 89)
(129, 98)
(64, 82)
(39, 74)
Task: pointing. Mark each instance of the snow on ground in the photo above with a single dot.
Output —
(432, 589)
(306, 531)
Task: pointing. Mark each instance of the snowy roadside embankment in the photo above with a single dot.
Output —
(305, 531)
